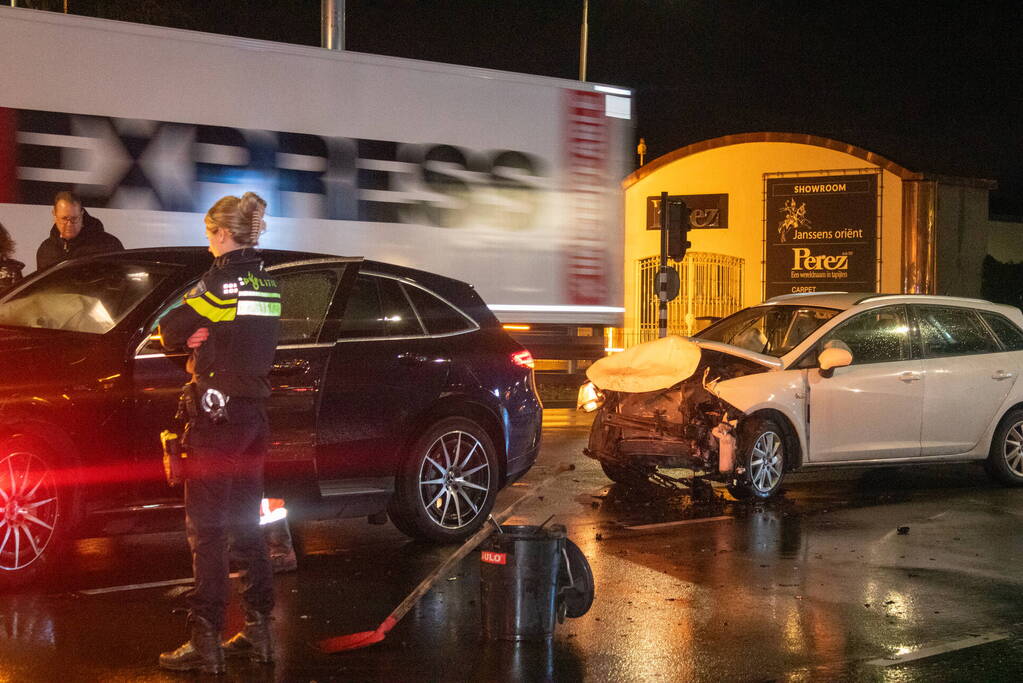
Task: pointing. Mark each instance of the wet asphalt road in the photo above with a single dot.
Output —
(818, 585)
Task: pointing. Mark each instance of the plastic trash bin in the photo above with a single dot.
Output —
(519, 582)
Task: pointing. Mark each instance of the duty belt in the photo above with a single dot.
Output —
(214, 404)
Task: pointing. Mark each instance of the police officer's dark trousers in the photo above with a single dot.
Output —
(222, 499)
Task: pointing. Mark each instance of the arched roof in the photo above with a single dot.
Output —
(796, 138)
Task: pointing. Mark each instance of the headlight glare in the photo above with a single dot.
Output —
(590, 398)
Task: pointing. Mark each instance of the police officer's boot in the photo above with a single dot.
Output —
(254, 640)
(202, 651)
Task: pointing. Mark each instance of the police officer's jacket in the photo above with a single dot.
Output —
(240, 304)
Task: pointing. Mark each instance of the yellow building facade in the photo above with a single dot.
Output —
(926, 234)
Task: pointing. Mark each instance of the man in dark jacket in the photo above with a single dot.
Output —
(74, 233)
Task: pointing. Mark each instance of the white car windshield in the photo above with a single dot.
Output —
(88, 296)
(771, 330)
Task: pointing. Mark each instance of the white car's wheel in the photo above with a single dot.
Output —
(1005, 459)
(762, 455)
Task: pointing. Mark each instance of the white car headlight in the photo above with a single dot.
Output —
(590, 398)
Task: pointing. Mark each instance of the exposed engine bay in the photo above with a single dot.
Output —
(683, 425)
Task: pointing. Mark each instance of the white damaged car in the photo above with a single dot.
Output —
(808, 380)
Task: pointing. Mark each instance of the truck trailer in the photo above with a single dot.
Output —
(507, 181)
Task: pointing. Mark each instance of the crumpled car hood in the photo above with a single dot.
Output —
(661, 406)
(770, 362)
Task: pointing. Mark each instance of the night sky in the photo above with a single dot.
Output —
(935, 86)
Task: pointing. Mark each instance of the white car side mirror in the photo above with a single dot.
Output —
(832, 358)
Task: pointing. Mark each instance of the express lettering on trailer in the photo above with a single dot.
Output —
(165, 166)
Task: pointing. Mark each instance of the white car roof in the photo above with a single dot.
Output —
(839, 300)
(846, 300)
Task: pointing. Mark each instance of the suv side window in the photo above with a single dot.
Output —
(947, 331)
(305, 298)
(438, 316)
(377, 307)
(362, 311)
(877, 336)
(1010, 335)
(399, 317)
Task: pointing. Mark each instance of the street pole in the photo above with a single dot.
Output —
(662, 282)
(332, 24)
(583, 39)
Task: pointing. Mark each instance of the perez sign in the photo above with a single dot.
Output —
(821, 234)
(706, 211)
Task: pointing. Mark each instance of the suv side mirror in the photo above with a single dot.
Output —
(831, 358)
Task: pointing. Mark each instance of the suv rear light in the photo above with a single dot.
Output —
(524, 359)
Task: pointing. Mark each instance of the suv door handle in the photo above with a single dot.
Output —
(408, 358)
(1002, 374)
(289, 367)
(910, 377)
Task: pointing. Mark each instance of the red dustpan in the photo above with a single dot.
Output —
(354, 641)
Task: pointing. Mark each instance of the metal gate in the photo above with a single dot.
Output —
(711, 288)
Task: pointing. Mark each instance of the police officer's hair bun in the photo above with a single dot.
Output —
(241, 216)
(252, 207)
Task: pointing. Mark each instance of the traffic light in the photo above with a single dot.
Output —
(678, 229)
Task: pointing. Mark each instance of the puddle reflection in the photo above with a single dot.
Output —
(527, 661)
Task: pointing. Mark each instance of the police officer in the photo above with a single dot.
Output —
(230, 322)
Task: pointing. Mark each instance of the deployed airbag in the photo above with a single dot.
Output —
(648, 366)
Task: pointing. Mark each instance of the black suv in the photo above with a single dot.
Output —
(394, 390)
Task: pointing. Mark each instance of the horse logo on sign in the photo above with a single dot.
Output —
(793, 217)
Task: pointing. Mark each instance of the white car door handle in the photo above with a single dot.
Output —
(1002, 374)
(910, 376)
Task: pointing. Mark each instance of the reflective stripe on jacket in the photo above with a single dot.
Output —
(240, 304)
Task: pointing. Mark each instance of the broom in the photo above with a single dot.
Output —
(354, 641)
